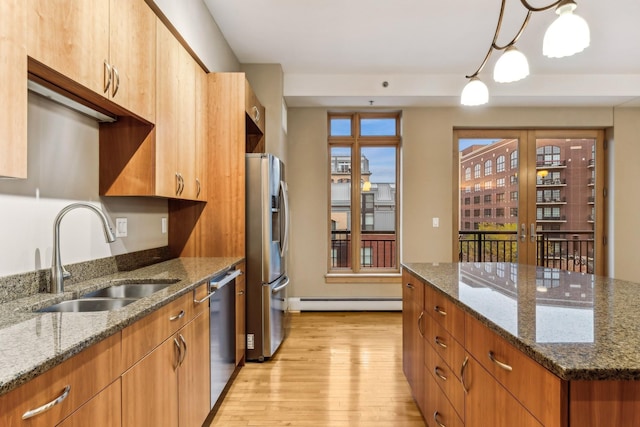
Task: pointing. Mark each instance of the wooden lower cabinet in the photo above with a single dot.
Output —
(104, 410)
(413, 336)
(170, 386)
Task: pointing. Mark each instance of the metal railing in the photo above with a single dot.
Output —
(565, 249)
(377, 249)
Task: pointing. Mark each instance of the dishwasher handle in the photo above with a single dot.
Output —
(214, 285)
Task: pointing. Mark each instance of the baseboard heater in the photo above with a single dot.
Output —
(345, 304)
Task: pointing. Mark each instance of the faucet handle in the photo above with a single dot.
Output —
(65, 273)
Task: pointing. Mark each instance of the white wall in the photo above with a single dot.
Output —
(62, 169)
(427, 189)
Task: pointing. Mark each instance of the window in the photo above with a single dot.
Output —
(488, 166)
(548, 155)
(467, 174)
(476, 171)
(513, 212)
(467, 200)
(499, 197)
(467, 213)
(364, 157)
(467, 189)
(513, 179)
(514, 159)
(476, 213)
(487, 198)
(513, 195)
(499, 212)
(500, 164)
(488, 185)
(500, 182)
(476, 200)
(487, 213)
(476, 187)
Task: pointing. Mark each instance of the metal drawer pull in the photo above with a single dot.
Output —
(504, 366)
(436, 416)
(420, 324)
(463, 370)
(410, 286)
(177, 316)
(439, 310)
(439, 341)
(47, 406)
(240, 292)
(184, 355)
(437, 371)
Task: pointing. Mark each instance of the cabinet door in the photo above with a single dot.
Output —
(13, 90)
(193, 375)
(167, 85)
(490, 404)
(103, 410)
(241, 301)
(202, 133)
(71, 37)
(133, 55)
(186, 116)
(150, 389)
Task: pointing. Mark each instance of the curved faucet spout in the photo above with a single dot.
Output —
(58, 272)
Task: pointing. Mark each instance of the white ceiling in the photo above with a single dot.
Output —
(338, 52)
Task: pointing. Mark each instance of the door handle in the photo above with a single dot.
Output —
(533, 232)
(523, 232)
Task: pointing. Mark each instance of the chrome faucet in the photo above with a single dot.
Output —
(58, 272)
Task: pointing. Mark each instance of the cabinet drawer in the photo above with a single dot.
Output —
(147, 333)
(199, 294)
(445, 345)
(541, 392)
(103, 410)
(412, 289)
(438, 410)
(443, 376)
(85, 374)
(445, 312)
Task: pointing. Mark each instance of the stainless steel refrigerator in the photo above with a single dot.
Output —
(267, 235)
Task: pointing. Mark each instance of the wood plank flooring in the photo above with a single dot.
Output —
(334, 369)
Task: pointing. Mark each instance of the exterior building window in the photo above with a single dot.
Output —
(476, 171)
(500, 182)
(487, 213)
(364, 150)
(476, 213)
(467, 200)
(467, 189)
(513, 179)
(513, 195)
(467, 225)
(488, 185)
(500, 164)
(514, 160)
(476, 187)
(499, 197)
(487, 198)
(476, 200)
(488, 166)
(467, 213)
(513, 212)
(548, 155)
(500, 212)
(467, 174)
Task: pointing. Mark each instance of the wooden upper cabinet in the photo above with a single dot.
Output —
(106, 46)
(13, 90)
(186, 116)
(253, 107)
(202, 133)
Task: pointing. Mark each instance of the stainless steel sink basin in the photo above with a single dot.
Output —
(129, 290)
(89, 304)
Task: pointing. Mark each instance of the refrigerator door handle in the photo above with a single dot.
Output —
(285, 199)
(281, 287)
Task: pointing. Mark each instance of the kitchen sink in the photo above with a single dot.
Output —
(130, 290)
(89, 304)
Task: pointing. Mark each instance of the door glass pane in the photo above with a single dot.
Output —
(378, 207)
(340, 251)
(488, 215)
(565, 203)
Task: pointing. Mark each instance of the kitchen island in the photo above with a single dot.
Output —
(546, 346)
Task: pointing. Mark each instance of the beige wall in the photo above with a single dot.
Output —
(427, 169)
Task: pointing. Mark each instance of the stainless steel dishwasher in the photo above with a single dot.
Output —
(222, 330)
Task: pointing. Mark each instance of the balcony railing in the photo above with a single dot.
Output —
(377, 249)
(567, 250)
(551, 181)
(551, 164)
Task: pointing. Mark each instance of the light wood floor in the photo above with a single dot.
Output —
(334, 369)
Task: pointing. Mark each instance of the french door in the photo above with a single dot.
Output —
(531, 196)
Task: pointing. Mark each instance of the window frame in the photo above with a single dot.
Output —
(356, 143)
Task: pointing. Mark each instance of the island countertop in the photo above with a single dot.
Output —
(579, 326)
(35, 342)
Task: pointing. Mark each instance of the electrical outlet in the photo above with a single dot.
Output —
(121, 227)
(436, 222)
(163, 225)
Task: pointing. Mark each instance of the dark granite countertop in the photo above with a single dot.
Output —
(35, 342)
(579, 326)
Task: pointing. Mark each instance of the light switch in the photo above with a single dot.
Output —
(163, 225)
(121, 227)
(436, 222)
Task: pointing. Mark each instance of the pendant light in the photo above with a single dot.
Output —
(475, 93)
(567, 35)
(511, 66)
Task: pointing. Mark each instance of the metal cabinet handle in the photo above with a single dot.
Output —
(420, 324)
(523, 232)
(198, 186)
(107, 76)
(200, 301)
(463, 371)
(177, 316)
(439, 341)
(503, 365)
(241, 292)
(439, 310)
(116, 84)
(437, 370)
(436, 416)
(177, 344)
(256, 114)
(44, 408)
(410, 286)
(184, 344)
(180, 183)
(177, 184)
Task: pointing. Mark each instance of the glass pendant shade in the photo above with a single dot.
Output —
(567, 35)
(511, 66)
(475, 92)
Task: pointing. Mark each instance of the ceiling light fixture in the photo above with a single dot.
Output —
(567, 35)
